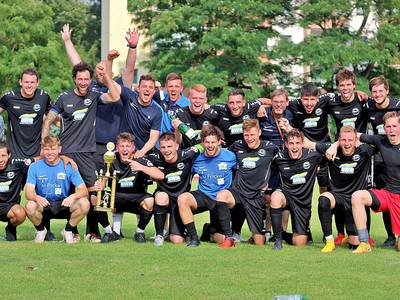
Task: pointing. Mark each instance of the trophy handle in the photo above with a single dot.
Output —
(100, 179)
(113, 188)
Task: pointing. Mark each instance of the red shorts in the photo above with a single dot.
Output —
(389, 202)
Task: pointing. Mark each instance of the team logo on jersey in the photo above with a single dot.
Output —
(347, 168)
(318, 111)
(236, 129)
(206, 123)
(87, 101)
(349, 121)
(127, 182)
(246, 117)
(306, 165)
(10, 175)
(180, 166)
(311, 122)
(380, 129)
(5, 186)
(79, 114)
(149, 164)
(250, 162)
(174, 177)
(356, 157)
(27, 119)
(299, 178)
(262, 152)
(61, 176)
(222, 166)
(331, 95)
(36, 107)
(17, 107)
(355, 111)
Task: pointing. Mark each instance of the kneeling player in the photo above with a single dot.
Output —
(48, 192)
(176, 166)
(214, 167)
(297, 168)
(131, 195)
(254, 159)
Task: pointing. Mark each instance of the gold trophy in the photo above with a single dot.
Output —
(106, 200)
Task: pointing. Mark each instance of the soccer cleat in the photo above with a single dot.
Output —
(371, 242)
(390, 242)
(339, 239)
(159, 240)
(329, 246)
(227, 243)
(277, 244)
(92, 238)
(268, 236)
(110, 237)
(50, 237)
(77, 237)
(362, 248)
(139, 237)
(193, 243)
(237, 237)
(345, 241)
(206, 235)
(68, 236)
(40, 236)
(11, 233)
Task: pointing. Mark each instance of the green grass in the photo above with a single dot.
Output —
(127, 270)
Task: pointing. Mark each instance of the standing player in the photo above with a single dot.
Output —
(375, 109)
(388, 198)
(176, 164)
(297, 170)
(12, 173)
(131, 193)
(214, 167)
(48, 191)
(254, 159)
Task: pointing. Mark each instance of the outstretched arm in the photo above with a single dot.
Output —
(73, 55)
(114, 89)
(132, 39)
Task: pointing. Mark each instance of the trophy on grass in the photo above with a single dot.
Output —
(106, 198)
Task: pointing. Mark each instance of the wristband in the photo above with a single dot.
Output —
(129, 46)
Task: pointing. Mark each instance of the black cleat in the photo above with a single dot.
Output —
(390, 242)
(50, 237)
(139, 237)
(11, 233)
(111, 237)
(193, 243)
(277, 244)
(205, 235)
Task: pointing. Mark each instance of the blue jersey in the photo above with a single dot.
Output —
(138, 119)
(215, 173)
(53, 182)
(269, 127)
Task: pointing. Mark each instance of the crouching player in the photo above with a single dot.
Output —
(131, 195)
(254, 168)
(177, 168)
(297, 170)
(388, 198)
(49, 195)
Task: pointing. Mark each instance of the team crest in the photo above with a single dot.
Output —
(87, 101)
(356, 157)
(306, 165)
(36, 107)
(262, 152)
(180, 166)
(206, 123)
(10, 175)
(222, 166)
(318, 111)
(246, 117)
(355, 111)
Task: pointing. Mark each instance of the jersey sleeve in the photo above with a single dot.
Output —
(367, 149)
(145, 162)
(75, 177)
(322, 147)
(4, 100)
(31, 179)
(126, 94)
(370, 139)
(253, 106)
(157, 118)
(57, 107)
(190, 153)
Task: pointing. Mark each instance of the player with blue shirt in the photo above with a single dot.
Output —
(48, 191)
(214, 168)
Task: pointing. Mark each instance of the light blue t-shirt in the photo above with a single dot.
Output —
(53, 182)
(215, 173)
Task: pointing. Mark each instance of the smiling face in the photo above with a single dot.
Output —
(51, 153)
(392, 130)
(346, 89)
(174, 89)
(168, 149)
(347, 142)
(279, 104)
(82, 82)
(197, 101)
(29, 83)
(211, 145)
(309, 103)
(380, 95)
(236, 104)
(4, 156)
(125, 150)
(294, 145)
(146, 90)
(252, 137)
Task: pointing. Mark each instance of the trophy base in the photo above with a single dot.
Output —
(106, 209)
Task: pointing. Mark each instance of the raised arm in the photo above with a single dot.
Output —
(114, 89)
(50, 118)
(73, 55)
(132, 39)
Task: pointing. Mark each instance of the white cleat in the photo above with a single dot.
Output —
(40, 236)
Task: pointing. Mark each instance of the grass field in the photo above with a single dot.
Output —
(127, 270)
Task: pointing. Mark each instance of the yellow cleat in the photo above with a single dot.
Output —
(345, 241)
(362, 248)
(329, 246)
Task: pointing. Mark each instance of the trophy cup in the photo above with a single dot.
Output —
(106, 200)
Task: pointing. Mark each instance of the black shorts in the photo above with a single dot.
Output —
(4, 209)
(343, 206)
(254, 210)
(300, 215)
(322, 176)
(99, 157)
(130, 202)
(86, 166)
(175, 222)
(203, 201)
(56, 211)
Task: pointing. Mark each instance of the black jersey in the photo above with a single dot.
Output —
(78, 116)
(254, 167)
(297, 176)
(196, 122)
(346, 113)
(178, 175)
(348, 174)
(25, 120)
(129, 181)
(391, 160)
(12, 180)
(314, 125)
(375, 114)
(232, 126)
